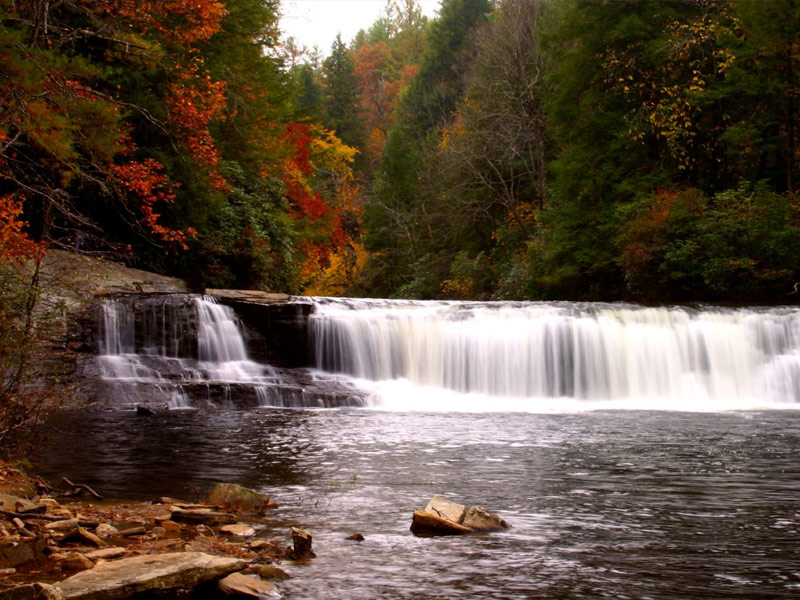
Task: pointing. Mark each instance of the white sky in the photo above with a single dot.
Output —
(316, 22)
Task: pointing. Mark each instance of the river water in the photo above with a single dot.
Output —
(617, 504)
(637, 452)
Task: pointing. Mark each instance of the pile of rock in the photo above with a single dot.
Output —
(113, 552)
(445, 517)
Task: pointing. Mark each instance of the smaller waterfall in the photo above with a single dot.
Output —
(178, 350)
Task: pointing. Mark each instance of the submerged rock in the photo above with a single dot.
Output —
(232, 496)
(123, 578)
(241, 585)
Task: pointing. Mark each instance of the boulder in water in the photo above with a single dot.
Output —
(446, 509)
(240, 585)
(480, 519)
(301, 544)
(445, 517)
(232, 496)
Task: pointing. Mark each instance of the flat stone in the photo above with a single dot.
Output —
(426, 523)
(249, 296)
(232, 496)
(238, 530)
(202, 515)
(242, 585)
(33, 591)
(123, 578)
(480, 519)
(106, 553)
(446, 509)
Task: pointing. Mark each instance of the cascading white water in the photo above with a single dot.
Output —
(424, 352)
(167, 328)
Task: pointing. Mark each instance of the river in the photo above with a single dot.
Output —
(700, 501)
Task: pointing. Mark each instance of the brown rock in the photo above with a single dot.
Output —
(75, 561)
(172, 527)
(21, 552)
(356, 537)
(105, 530)
(425, 523)
(138, 530)
(480, 519)
(242, 585)
(80, 534)
(446, 509)
(301, 543)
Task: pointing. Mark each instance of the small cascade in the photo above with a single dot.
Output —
(178, 350)
(521, 356)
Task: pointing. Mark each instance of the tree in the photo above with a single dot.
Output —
(341, 94)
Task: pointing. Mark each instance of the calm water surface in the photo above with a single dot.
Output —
(603, 505)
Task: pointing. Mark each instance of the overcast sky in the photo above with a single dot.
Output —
(316, 22)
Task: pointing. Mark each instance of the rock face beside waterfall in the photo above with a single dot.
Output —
(445, 517)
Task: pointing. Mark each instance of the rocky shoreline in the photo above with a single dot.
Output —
(59, 543)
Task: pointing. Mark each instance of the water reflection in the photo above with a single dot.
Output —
(603, 505)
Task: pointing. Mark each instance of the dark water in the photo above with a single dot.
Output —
(603, 505)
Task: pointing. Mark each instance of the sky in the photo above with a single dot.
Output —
(316, 22)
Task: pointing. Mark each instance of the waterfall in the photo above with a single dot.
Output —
(424, 354)
(178, 350)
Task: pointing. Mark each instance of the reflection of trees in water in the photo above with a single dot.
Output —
(178, 453)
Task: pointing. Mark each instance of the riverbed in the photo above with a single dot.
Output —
(603, 504)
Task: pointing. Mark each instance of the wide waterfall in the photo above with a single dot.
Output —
(551, 356)
(179, 350)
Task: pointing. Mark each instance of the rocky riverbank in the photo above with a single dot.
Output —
(66, 542)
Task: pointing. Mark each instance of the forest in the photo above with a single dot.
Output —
(515, 149)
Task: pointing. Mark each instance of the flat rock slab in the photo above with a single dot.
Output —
(202, 515)
(446, 509)
(426, 523)
(249, 296)
(123, 578)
